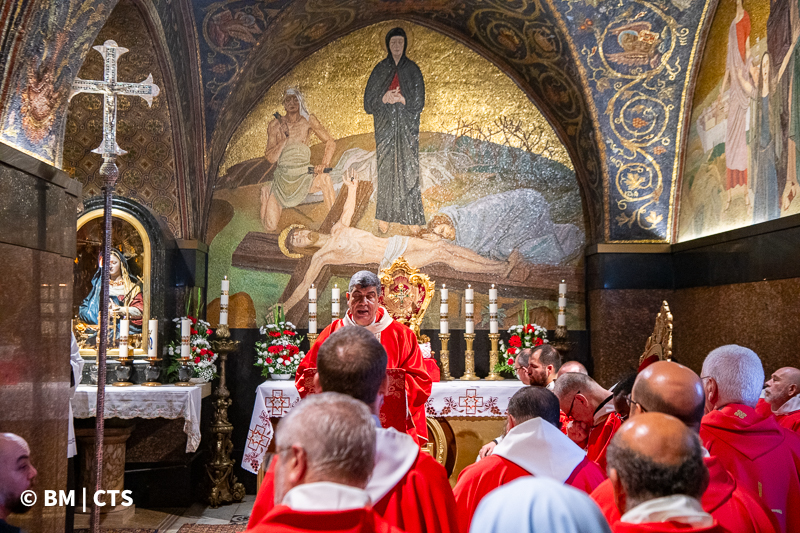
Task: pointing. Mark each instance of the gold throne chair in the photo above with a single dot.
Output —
(407, 293)
(659, 344)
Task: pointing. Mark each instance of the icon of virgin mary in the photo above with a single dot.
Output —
(125, 295)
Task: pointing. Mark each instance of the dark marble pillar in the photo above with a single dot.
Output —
(38, 208)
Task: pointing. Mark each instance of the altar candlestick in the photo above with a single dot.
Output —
(470, 310)
(562, 304)
(312, 309)
(223, 302)
(493, 325)
(335, 295)
(444, 326)
(152, 338)
(124, 330)
(186, 335)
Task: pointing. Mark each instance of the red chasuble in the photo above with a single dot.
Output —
(735, 509)
(282, 519)
(763, 457)
(599, 438)
(790, 420)
(663, 527)
(479, 479)
(403, 352)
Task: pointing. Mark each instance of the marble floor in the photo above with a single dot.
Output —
(170, 520)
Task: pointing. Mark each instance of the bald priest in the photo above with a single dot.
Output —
(365, 310)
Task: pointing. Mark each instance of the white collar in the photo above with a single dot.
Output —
(551, 385)
(325, 496)
(677, 508)
(607, 409)
(377, 325)
(791, 405)
(395, 454)
(542, 449)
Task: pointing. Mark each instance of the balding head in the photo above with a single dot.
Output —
(654, 455)
(326, 437)
(16, 473)
(571, 367)
(732, 374)
(579, 396)
(670, 388)
(784, 384)
(353, 362)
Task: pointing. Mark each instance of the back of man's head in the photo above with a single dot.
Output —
(673, 389)
(654, 455)
(738, 373)
(524, 356)
(572, 367)
(353, 362)
(572, 383)
(547, 356)
(337, 436)
(532, 402)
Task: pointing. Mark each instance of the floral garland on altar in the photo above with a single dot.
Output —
(280, 354)
(203, 361)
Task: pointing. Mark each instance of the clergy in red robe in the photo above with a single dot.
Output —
(782, 398)
(325, 456)
(363, 301)
(533, 446)
(655, 465)
(584, 400)
(763, 457)
(674, 389)
(408, 488)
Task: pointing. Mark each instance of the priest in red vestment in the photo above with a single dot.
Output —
(363, 302)
(762, 456)
(782, 398)
(408, 488)
(325, 452)
(655, 465)
(533, 446)
(585, 401)
(670, 388)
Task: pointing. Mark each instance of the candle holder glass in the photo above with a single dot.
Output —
(123, 372)
(444, 357)
(152, 372)
(93, 372)
(469, 359)
(494, 356)
(185, 373)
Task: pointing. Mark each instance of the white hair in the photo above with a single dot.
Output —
(337, 433)
(300, 100)
(738, 373)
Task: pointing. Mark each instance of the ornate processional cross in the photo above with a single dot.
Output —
(110, 88)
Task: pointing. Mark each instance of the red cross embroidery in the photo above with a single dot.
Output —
(471, 401)
(277, 403)
(259, 437)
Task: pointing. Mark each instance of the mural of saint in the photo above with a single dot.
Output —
(125, 291)
(395, 96)
(288, 139)
(738, 75)
(766, 202)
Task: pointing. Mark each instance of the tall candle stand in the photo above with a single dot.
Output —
(224, 488)
(469, 359)
(494, 356)
(444, 357)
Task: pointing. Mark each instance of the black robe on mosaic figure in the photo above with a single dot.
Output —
(399, 193)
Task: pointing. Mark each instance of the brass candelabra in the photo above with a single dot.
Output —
(312, 338)
(224, 488)
(469, 359)
(444, 357)
(494, 355)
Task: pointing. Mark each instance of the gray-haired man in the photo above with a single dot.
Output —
(402, 348)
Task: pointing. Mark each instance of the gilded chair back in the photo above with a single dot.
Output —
(406, 293)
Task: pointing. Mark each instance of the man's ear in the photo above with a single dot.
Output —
(510, 423)
(384, 388)
(551, 370)
(792, 390)
(712, 392)
(620, 498)
(317, 383)
(296, 465)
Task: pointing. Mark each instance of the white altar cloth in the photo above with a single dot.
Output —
(274, 399)
(138, 401)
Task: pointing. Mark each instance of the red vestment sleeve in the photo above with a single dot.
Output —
(599, 438)
(282, 519)
(603, 496)
(664, 527)
(422, 502)
(418, 382)
(479, 479)
(586, 476)
(265, 499)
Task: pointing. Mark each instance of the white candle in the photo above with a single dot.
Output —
(312, 325)
(312, 293)
(562, 319)
(335, 295)
(445, 293)
(470, 326)
(226, 285)
(493, 325)
(186, 334)
(562, 288)
(493, 293)
(223, 302)
(469, 294)
(562, 302)
(312, 309)
(444, 326)
(124, 330)
(152, 338)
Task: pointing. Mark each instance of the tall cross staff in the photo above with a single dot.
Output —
(110, 88)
